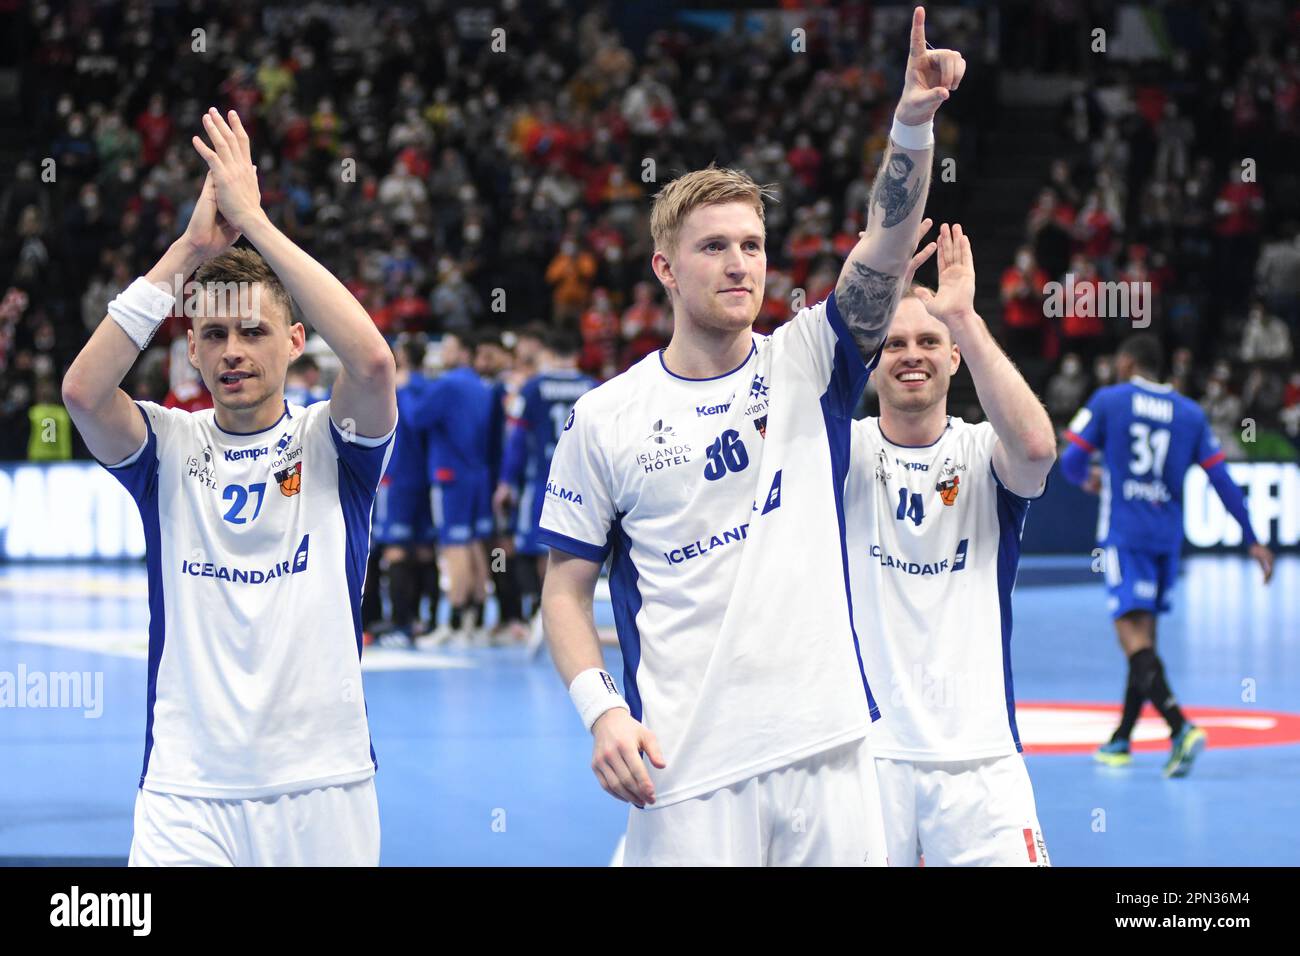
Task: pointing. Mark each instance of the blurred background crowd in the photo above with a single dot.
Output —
(458, 178)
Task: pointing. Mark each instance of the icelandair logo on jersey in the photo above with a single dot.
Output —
(246, 576)
(698, 548)
(239, 454)
(957, 563)
(563, 494)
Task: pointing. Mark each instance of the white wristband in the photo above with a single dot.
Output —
(140, 309)
(913, 137)
(593, 692)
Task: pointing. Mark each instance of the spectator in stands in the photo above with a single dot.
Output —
(570, 275)
(1022, 305)
(1265, 338)
(1067, 389)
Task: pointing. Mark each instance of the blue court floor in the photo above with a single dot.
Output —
(482, 760)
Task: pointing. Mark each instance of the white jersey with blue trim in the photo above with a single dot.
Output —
(934, 543)
(256, 547)
(721, 503)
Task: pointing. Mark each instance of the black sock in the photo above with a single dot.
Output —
(456, 613)
(1155, 688)
(1133, 699)
(430, 588)
(510, 600)
(1165, 702)
(402, 581)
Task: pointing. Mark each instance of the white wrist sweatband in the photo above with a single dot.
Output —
(593, 692)
(140, 309)
(913, 137)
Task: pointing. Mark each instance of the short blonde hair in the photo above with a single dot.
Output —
(710, 186)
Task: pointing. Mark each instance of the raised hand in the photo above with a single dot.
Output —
(955, 299)
(931, 76)
(209, 233)
(231, 164)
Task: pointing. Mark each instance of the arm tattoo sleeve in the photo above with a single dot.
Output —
(891, 192)
(866, 299)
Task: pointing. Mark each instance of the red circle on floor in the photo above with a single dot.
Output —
(1072, 728)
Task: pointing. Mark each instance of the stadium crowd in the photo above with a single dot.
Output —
(465, 180)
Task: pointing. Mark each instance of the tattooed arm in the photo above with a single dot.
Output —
(882, 262)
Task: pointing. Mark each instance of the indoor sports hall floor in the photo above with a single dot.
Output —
(482, 760)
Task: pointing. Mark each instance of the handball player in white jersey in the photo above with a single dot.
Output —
(256, 516)
(935, 508)
(711, 474)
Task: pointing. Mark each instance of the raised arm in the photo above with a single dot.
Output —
(881, 264)
(1026, 445)
(108, 420)
(365, 390)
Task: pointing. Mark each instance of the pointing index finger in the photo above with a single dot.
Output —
(918, 32)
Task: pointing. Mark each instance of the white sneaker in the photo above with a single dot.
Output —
(435, 638)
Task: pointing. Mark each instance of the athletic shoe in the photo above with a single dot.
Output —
(395, 638)
(1186, 745)
(1114, 753)
(435, 638)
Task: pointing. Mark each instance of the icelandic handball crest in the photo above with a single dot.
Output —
(290, 479)
(948, 490)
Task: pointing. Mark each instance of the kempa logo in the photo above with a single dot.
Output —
(1103, 300)
(79, 690)
(238, 454)
(703, 410)
(103, 909)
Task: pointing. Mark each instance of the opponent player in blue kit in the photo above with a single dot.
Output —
(455, 415)
(540, 412)
(256, 519)
(712, 474)
(1148, 436)
(403, 519)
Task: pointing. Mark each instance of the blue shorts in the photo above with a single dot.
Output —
(529, 520)
(462, 510)
(1139, 580)
(402, 514)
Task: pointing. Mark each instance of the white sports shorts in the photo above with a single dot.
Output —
(330, 826)
(961, 813)
(823, 810)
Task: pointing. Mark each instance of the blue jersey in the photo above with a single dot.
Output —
(537, 417)
(1149, 436)
(454, 411)
(409, 462)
